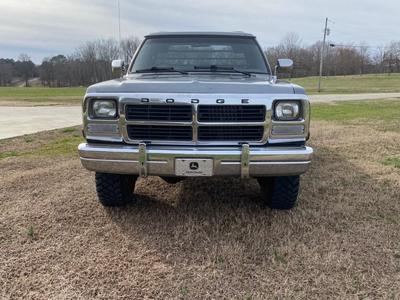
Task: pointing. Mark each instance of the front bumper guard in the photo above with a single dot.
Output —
(244, 161)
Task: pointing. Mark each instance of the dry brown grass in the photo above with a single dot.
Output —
(205, 238)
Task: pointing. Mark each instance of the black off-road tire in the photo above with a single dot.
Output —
(280, 192)
(115, 189)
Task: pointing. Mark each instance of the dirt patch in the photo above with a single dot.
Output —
(205, 238)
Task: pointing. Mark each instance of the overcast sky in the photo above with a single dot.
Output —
(43, 28)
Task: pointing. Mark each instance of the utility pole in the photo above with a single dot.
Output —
(321, 61)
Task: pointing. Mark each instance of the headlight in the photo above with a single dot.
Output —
(106, 109)
(287, 110)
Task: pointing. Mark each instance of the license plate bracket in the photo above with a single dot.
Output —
(193, 167)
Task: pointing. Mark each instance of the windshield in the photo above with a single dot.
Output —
(200, 54)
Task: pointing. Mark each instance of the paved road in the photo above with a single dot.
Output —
(15, 121)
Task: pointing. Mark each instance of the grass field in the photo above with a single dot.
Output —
(66, 143)
(41, 92)
(372, 112)
(375, 83)
(41, 95)
(207, 238)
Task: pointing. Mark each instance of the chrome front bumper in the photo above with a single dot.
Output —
(242, 161)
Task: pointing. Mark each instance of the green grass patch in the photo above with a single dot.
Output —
(362, 111)
(392, 161)
(41, 95)
(59, 146)
(69, 129)
(43, 101)
(31, 232)
(28, 139)
(279, 258)
(9, 154)
(41, 92)
(371, 83)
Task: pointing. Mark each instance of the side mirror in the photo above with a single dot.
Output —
(284, 63)
(117, 66)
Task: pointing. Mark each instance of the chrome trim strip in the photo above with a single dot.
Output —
(162, 123)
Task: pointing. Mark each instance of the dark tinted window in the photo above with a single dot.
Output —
(184, 53)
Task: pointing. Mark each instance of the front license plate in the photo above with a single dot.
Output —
(193, 167)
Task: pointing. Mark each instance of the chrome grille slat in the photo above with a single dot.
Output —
(231, 113)
(156, 132)
(231, 133)
(151, 112)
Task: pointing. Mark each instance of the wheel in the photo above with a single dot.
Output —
(115, 189)
(280, 192)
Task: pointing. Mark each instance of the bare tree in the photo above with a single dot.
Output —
(25, 68)
(392, 57)
(289, 47)
(6, 71)
(128, 48)
(364, 56)
(378, 60)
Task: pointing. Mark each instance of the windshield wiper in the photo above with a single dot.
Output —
(159, 69)
(215, 68)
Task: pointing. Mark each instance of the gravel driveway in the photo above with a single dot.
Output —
(15, 121)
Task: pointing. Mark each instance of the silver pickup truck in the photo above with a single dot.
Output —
(197, 104)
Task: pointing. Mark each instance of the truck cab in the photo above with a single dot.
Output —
(197, 104)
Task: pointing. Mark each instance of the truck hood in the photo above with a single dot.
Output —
(207, 84)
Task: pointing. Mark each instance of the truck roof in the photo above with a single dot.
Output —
(200, 33)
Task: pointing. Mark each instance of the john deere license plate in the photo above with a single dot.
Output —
(193, 167)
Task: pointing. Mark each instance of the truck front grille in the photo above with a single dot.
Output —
(168, 123)
(231, 113)
(150, 112)
(160, 133)
(231, 133)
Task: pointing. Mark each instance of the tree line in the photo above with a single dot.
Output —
(91, 62)
(88, 64)
(338, 59)
(23, 68)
